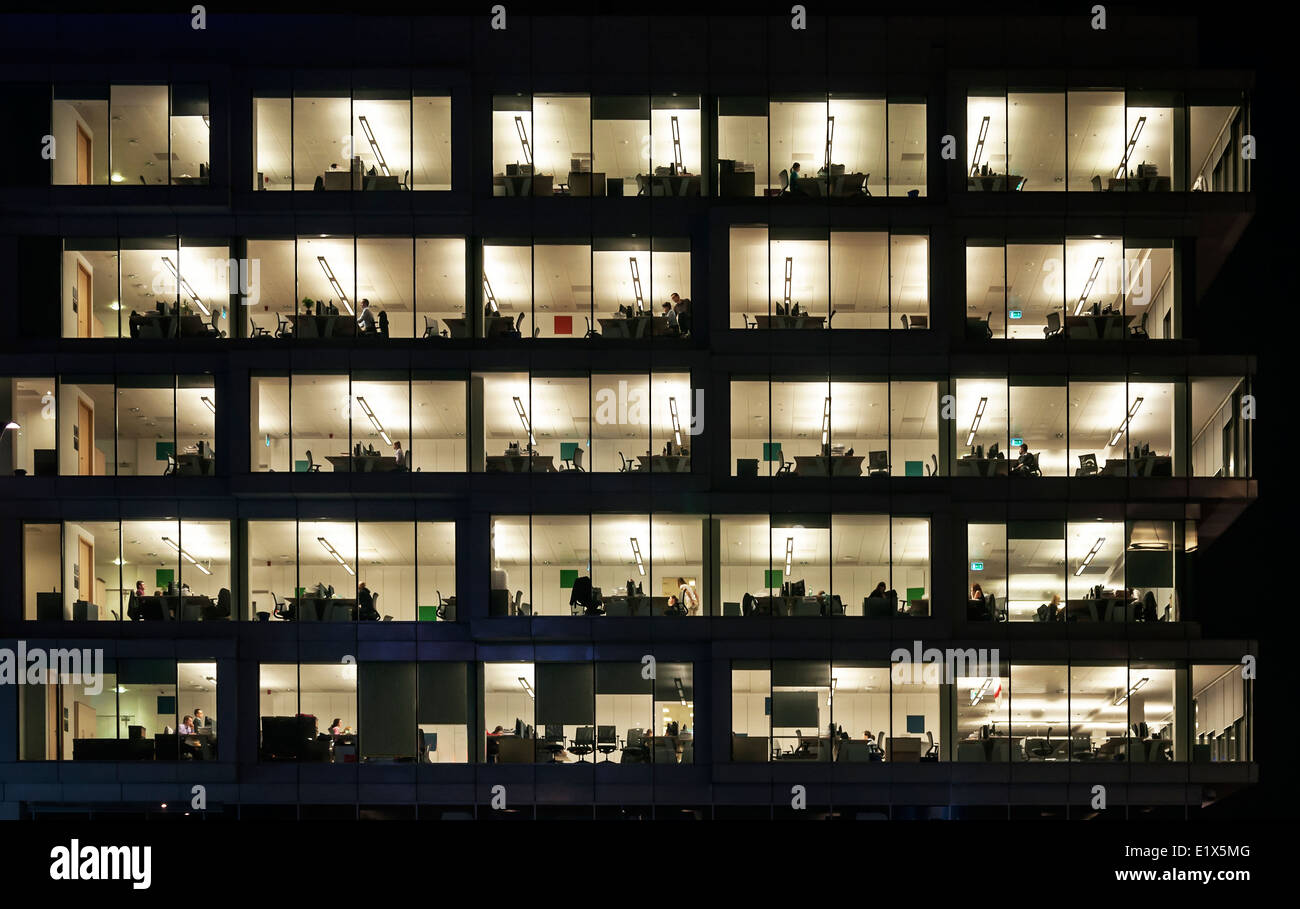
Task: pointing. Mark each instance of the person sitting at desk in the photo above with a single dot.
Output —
(187, 726)
(688, 597)
(670, 314)
(494, 747)
(399, 455)
(1027, 463)
(976, 594)
(794, 178)
(365, 318)
(200, 720)
(336, 727)
(879, 591)
(139, 588)
(674, 607)
(366, 610)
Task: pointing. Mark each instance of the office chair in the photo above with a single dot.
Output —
(171, 464)
(282, 328)
(1041, 749)
(312, 466)
(1087, 465)
(1053, 328)
(1096, 183)
(785, 465)
(211, 328)
(625, 466)
(406, 180)
(784, 178)
(520, 608)
(903, 319)
(383, 324)
(591, 332)
(606, 740)
(584, 743)
(878, 746)
(935, 471)
(932, 750)
(519, 324)
(258, 331)
(430, 327)
(1140, 330)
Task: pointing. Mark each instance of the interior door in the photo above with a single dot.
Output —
(85, 440)
(85, 301)
(86, 572)
(84, 154)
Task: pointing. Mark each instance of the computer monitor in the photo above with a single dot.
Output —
(519, 727)
(878, 460)
(797, 588)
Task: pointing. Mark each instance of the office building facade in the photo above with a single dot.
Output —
(758, 418)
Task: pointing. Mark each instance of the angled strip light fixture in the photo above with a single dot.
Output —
(636, 554)
(826, 421)
(789, 554)
(523, 683)
(1136, 687)
(1130, 148)
(189, 558)
(789, 279)
(677, 426)
(334, 283)
(830, 139)
(523, 418)
(1128, 418)
(681, 690)
(374, 146)
(1092, 554)
(636, 283)
(523, 139)
(207, 402)
(975, 424)
(489, 296)
(677, 145)
(979, 147)
(374, 420)
(185, 286)
(329, 547)
(1087, 288)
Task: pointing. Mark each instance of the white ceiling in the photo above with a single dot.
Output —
(376, 543)
(859, 410)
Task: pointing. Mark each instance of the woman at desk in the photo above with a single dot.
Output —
(794, 178)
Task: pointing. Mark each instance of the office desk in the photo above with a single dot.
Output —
(363, 463)
(195, 465)
(828, 465)
(839, 186)
(585, 183)
(750, 749)
(636, 327)
(171, 608)
(995, 183)
(1106, 609)
(1105, 327)
(380, 183)
(665, 463)
(526, 184)
(791, 322)
(1149, 466)
(1156, 184)
(311, 327)
(668, 185)
(521, 463)
(493, 327)
(623, 606)
(513, 749)
(982, 467)
(903, 749)
(328, 609)
(792, 607)
(341, 180)
(736, 185)
(189, 181)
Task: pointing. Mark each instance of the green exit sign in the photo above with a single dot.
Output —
(1015, 314)
(976, 566)
(1016, 443)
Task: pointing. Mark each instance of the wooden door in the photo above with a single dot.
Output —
(85, 439)
(86, 570)
(84, 157)
(83, 720)
(85, 301)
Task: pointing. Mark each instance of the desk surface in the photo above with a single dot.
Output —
(828, 465)
(363, 463)
(520, 463)
(666, 463)
(331, 326)
(636, 327)
(791, 322)
(983, 467)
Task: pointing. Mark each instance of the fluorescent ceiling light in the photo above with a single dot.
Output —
(1132, 690)
(677, 426)
(636, 283)
(338, 288)
(1087, 288)
(523, 139)
(489, 296)
(789, 554)
(1092, 554)
(374, 420)
(979, 147)
(975, 424)
(636, 554)
(329, 547)
(374, 146)
(677, 144)
(1130, 148)
(523, 682)
(189, 558)
(207, 402)
(1128, 418)
(523, 418)
(830, 139)
(677, 683)
(185, 286)
(789, 278)
(826, 421)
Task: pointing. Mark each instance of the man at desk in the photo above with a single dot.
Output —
(365, 318)
(1026, 464)
(671, 315)
(201, 720)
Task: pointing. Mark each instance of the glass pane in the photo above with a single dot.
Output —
(751, 720)
(323, 144)
(386, 571)
(1036, 553)
(381, 138)
(431, 116)
(750, 429)
(749, 283)
(439, 286)
(909, 284)
(385, 286)
(561, 290)
(327, 571)
(861, 565)
(435, 548)
(272, 145)
(32, 444)
(438, 425)
(146, 428)
(94, 557)
(272, 569)
(43, 572)
(1036, 139)
(151, 551)
(1038, 426)
(205, 570)
(270, 289)
(1095, 148)
(986, 143)
(859, 263)
(81, 125)
(907, 148)
(87, 430)
(1039, 712)
(621, 407)
(509, 702)
(561, 553)
(563, 138)
(190, 132)
(320, 434)
(381, 426)
(677, 563)
(511, 591)
(90, 302)
(140, 140)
